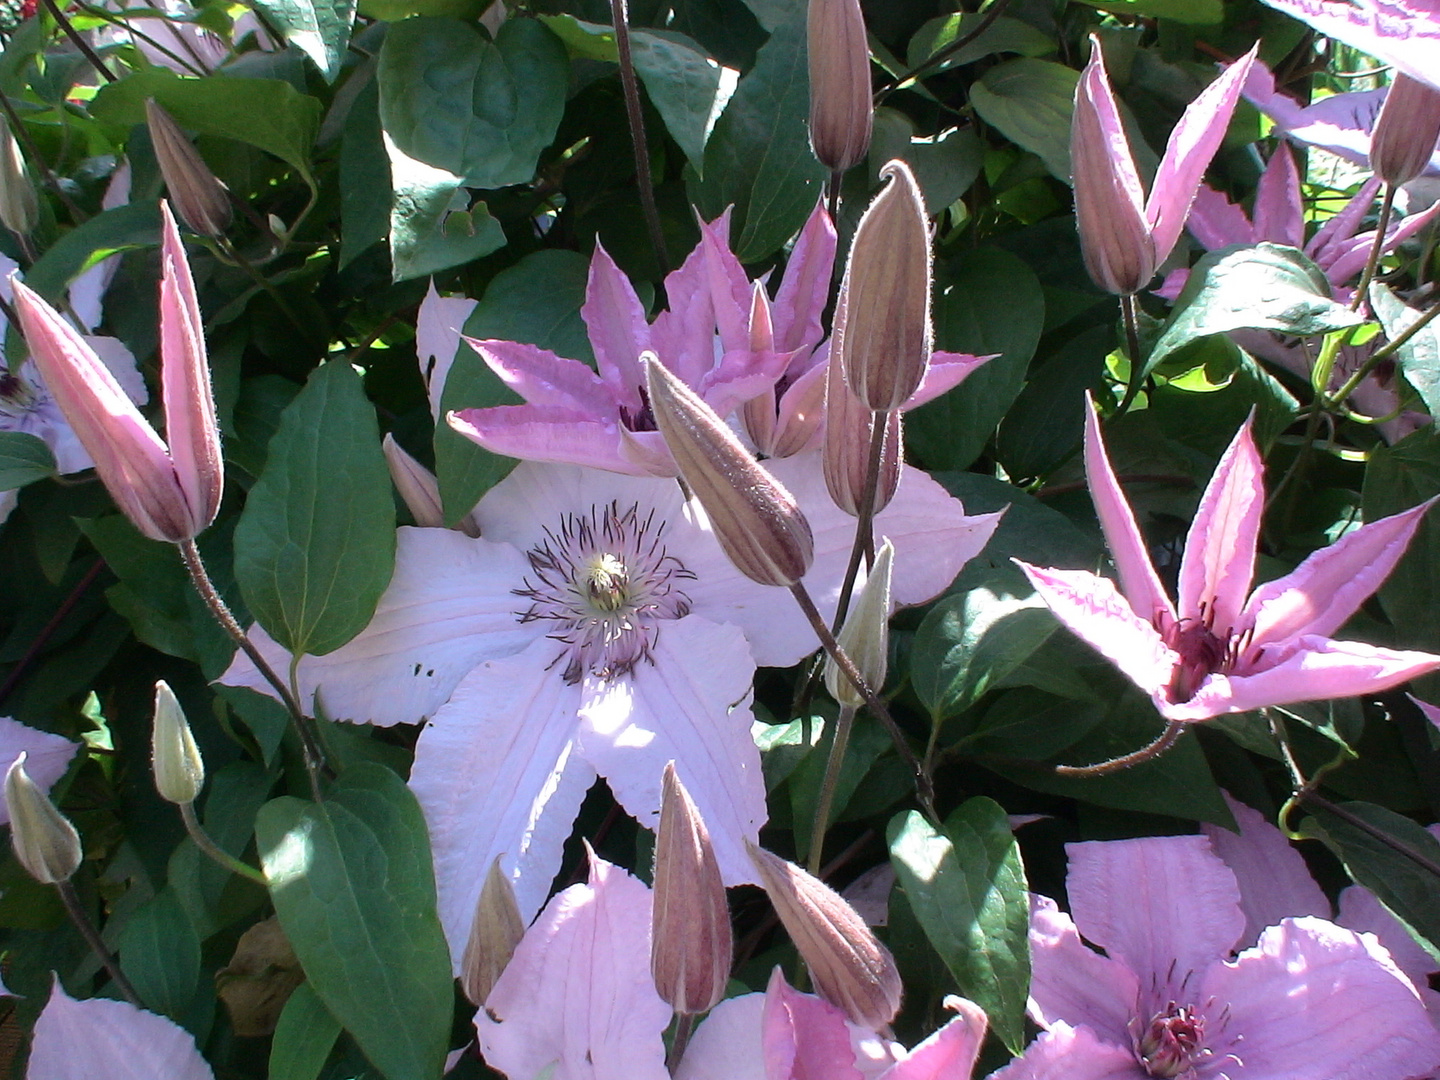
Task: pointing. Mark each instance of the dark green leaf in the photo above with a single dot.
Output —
(1419, 358)
(23, 460)
(303, 1038)
(868, 740)
(1030, 530)
(945, 166)
(1199, 12)
(315, 546)
(134, 225)
(318, 28)
(365, 197)
(433, 225)
(1030, 102)
(1045, 423)
(1003, 35)
(354, 887)
(161, 954)
(966, 886)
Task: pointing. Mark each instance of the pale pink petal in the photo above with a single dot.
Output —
(47, 755)
(1174, 283)
(1098, 615)
(1279, 213)
(577, 997)
(645, 454)
(803, 1037)
(950, 1053)
(437, 337)
(546, 433)
(83, 1040)
(691, 706)
(1073, 1053)
(498, 776)
(739, 376)
(1070, 982)
(1164, 906)
(728, 285)
(449, 606)
(542, 378)
(802, 410)
(1219, 560)
(1138, 580)
(1340, 123)
(1313, 1001)
(726, 1045)
(805, 289)
(618, 331)
(1274, 881)
(1325, 245)
(1404, 33)
(1217, 222)
(1361, 912)
(1192, 144)
(946, 371)
(1350, 258)
(683, 335)
(1329, 586)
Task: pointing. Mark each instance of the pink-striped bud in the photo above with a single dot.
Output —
(845, 456)
(494, 932)
(841, 109)
(419, 490)
(201, 199)
(1405, 131)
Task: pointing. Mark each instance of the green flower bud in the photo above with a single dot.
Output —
(45, 842)
(175, 759)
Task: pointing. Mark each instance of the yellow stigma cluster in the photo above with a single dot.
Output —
(605, 581)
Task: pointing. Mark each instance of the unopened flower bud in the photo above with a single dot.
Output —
(200, 198)
(758, 523)
(841, 109)
(845, 457)
(420, 491)
(19, 206)
(849, 966)
(1406, 131)
(865, 637)
(495, 931)
(690, 939)
(45, 842)
(882, 319)
(179, 769)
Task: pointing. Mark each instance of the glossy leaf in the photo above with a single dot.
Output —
(23, 460)
(304, 1037)
(1030, 102)
(318, 28)
(161, 955)
(1419, 358)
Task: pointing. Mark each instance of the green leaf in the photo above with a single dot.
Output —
(945, 166)
(1046, 422)
(481, 111)
(1390, 855)
(124, 228)
(23, 460)
(315, 546)
(318, 28)
(1002, 35)
(266, 113)
(1029, 101)
(990, 302)
(365, 192)
(1030, 530)
(1419, 358)
(433, 226)
(1196, 12)
(758, 158)
(973, 639)
(161, 954)
(1264, 287)
(354, 888)
(966, 885)
(304, 1037)
(868, 741)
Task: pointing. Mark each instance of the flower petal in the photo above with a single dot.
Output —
(726, 283)
(1072, 983)
(1279, 214)
(726, 1045)
(577, 994)
(1216, 222)
(946, 371)
(950, 1053)
(80, 1040)
(618, 331)
(1165, 906)
(1361, 912)
(804, 1037)
(802, 408)
(1313, 1001)
(449, 606)
(805, 289)
(1070, 1053)
(47, 755)
(437, 337)
(1325, 244)
(543, 378)
(546, 433)
(1219, 561)
(690, 706)
(1403, 33)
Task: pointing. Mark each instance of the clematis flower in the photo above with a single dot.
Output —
(47, 756)
(79, 1040)
(1308, 1000)
(1124, 234)
(1401, 33)
(1218, 650)
(594, 627)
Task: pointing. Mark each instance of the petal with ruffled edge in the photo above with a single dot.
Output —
(498, 775)
(1164, 906)
(437, 337)
(1404, 33)
(1219, 561)
(690, 706)
(618, 331)
(1313, 1001)
(543, 378)
(950, 1053)
(547, 433)
(1072, 983)
(1279, 213)
(726, 1045)
(47, 755)
(1072, 1053)
(577, 994)
(449, 605)
(804, 1037)
(805, 289)
(82, 1040)
(1274, 881)
(1360, 911)
(1095, 612)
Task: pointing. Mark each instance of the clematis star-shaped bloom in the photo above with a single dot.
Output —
(78, 1040)
(721, 336)
(1169, 997)
(1222, 648)
(1402, 33)
(595, 627)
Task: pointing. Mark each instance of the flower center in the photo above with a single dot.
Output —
(1202, 652)
(1173, 1042)
(16, 395)
(606, 581)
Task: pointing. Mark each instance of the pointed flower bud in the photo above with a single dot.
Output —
(496, 930)
(845, 457)
(19, 206)
(170, 492)
(758, 523)
(200, 198)
(865, 637)
(690, 941)
(882, 319)
(849, 966)
(420, 491)
(175, 759)
(1405, 131)
(45, 842)
(841, 110)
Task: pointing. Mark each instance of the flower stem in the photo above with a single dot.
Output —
(1132, 346)
(684, 1025)
(78, 40)
(200, 578)
(1386, 203)
(1383, 353)
(832, 194)
(864, 545)
(82, 922)
(620, 17)
(1310, 798)
(833, 765)
(924, 789)
(1168, 738)
(37, 160)
(218, 854)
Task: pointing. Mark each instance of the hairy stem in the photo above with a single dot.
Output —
(864, 545)
(82, 922)
(1132, 346)
(684, 1025)
(826, 801)
(620, 17)
(1168, 738)
(1386, 203)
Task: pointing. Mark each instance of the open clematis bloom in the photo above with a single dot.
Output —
(1124, 234)
(79, 1040)
(1401, 33)
(1218, 650)
(1169, 996)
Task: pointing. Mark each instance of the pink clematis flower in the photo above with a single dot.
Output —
(595, 627)
(47, 756)
(80, 1040)
(1402, 33)
(1219, 650)
(1169, 997)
